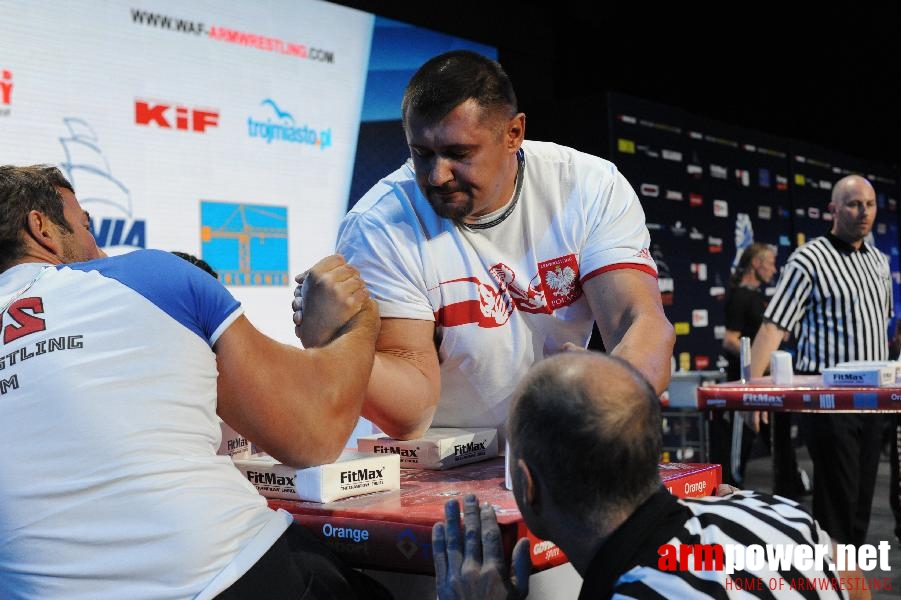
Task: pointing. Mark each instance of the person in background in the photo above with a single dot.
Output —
(835, 292)
(487, 252)
(113, 373)
(744, 307)
(198, 262)
(599, 497)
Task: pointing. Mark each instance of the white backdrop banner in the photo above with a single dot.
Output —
(224, 129)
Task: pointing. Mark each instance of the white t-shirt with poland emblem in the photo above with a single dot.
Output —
(505, 292)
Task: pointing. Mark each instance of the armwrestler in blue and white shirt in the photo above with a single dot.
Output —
(113, 372)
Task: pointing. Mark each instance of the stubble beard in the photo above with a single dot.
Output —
(455, 212)
(68, 248)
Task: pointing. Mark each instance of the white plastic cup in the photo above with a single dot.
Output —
(781, 370)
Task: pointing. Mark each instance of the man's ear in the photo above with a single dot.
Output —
(516, 131)
(42, 230)
(528, 487)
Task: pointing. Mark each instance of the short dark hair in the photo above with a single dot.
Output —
(22, 190)
(447, 80)
(199, 262)
(597, 447)
(55, 177)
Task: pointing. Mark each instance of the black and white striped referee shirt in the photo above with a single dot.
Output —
(627, 563)
(840, 300)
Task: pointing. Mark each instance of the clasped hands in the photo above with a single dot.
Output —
(327, 296)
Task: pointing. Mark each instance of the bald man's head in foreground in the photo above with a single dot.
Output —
(585, 439)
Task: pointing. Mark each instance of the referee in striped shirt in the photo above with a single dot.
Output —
(835, 292)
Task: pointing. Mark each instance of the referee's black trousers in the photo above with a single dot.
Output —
(845, 449)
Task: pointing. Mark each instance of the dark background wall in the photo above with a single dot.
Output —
(828, 76)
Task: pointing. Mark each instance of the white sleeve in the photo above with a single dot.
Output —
(390, 264)
(617, 236)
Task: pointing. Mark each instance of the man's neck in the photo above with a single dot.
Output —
(579, 545)
(854, 243)
(44, 258)
(24, 261)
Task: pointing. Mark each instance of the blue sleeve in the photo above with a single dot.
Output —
(182, 290)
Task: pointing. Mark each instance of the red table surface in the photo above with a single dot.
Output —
(398, 524)
(806, 394)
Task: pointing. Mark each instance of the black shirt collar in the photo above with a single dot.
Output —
(634, 542)
(843, 246)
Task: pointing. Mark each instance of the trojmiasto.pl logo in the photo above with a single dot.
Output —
(274, 124)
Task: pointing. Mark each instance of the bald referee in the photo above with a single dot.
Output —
(836, 289)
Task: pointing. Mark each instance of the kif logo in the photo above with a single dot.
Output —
(6, 91)
(173, 116)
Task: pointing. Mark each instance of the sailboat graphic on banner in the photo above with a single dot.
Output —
(104, 196)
